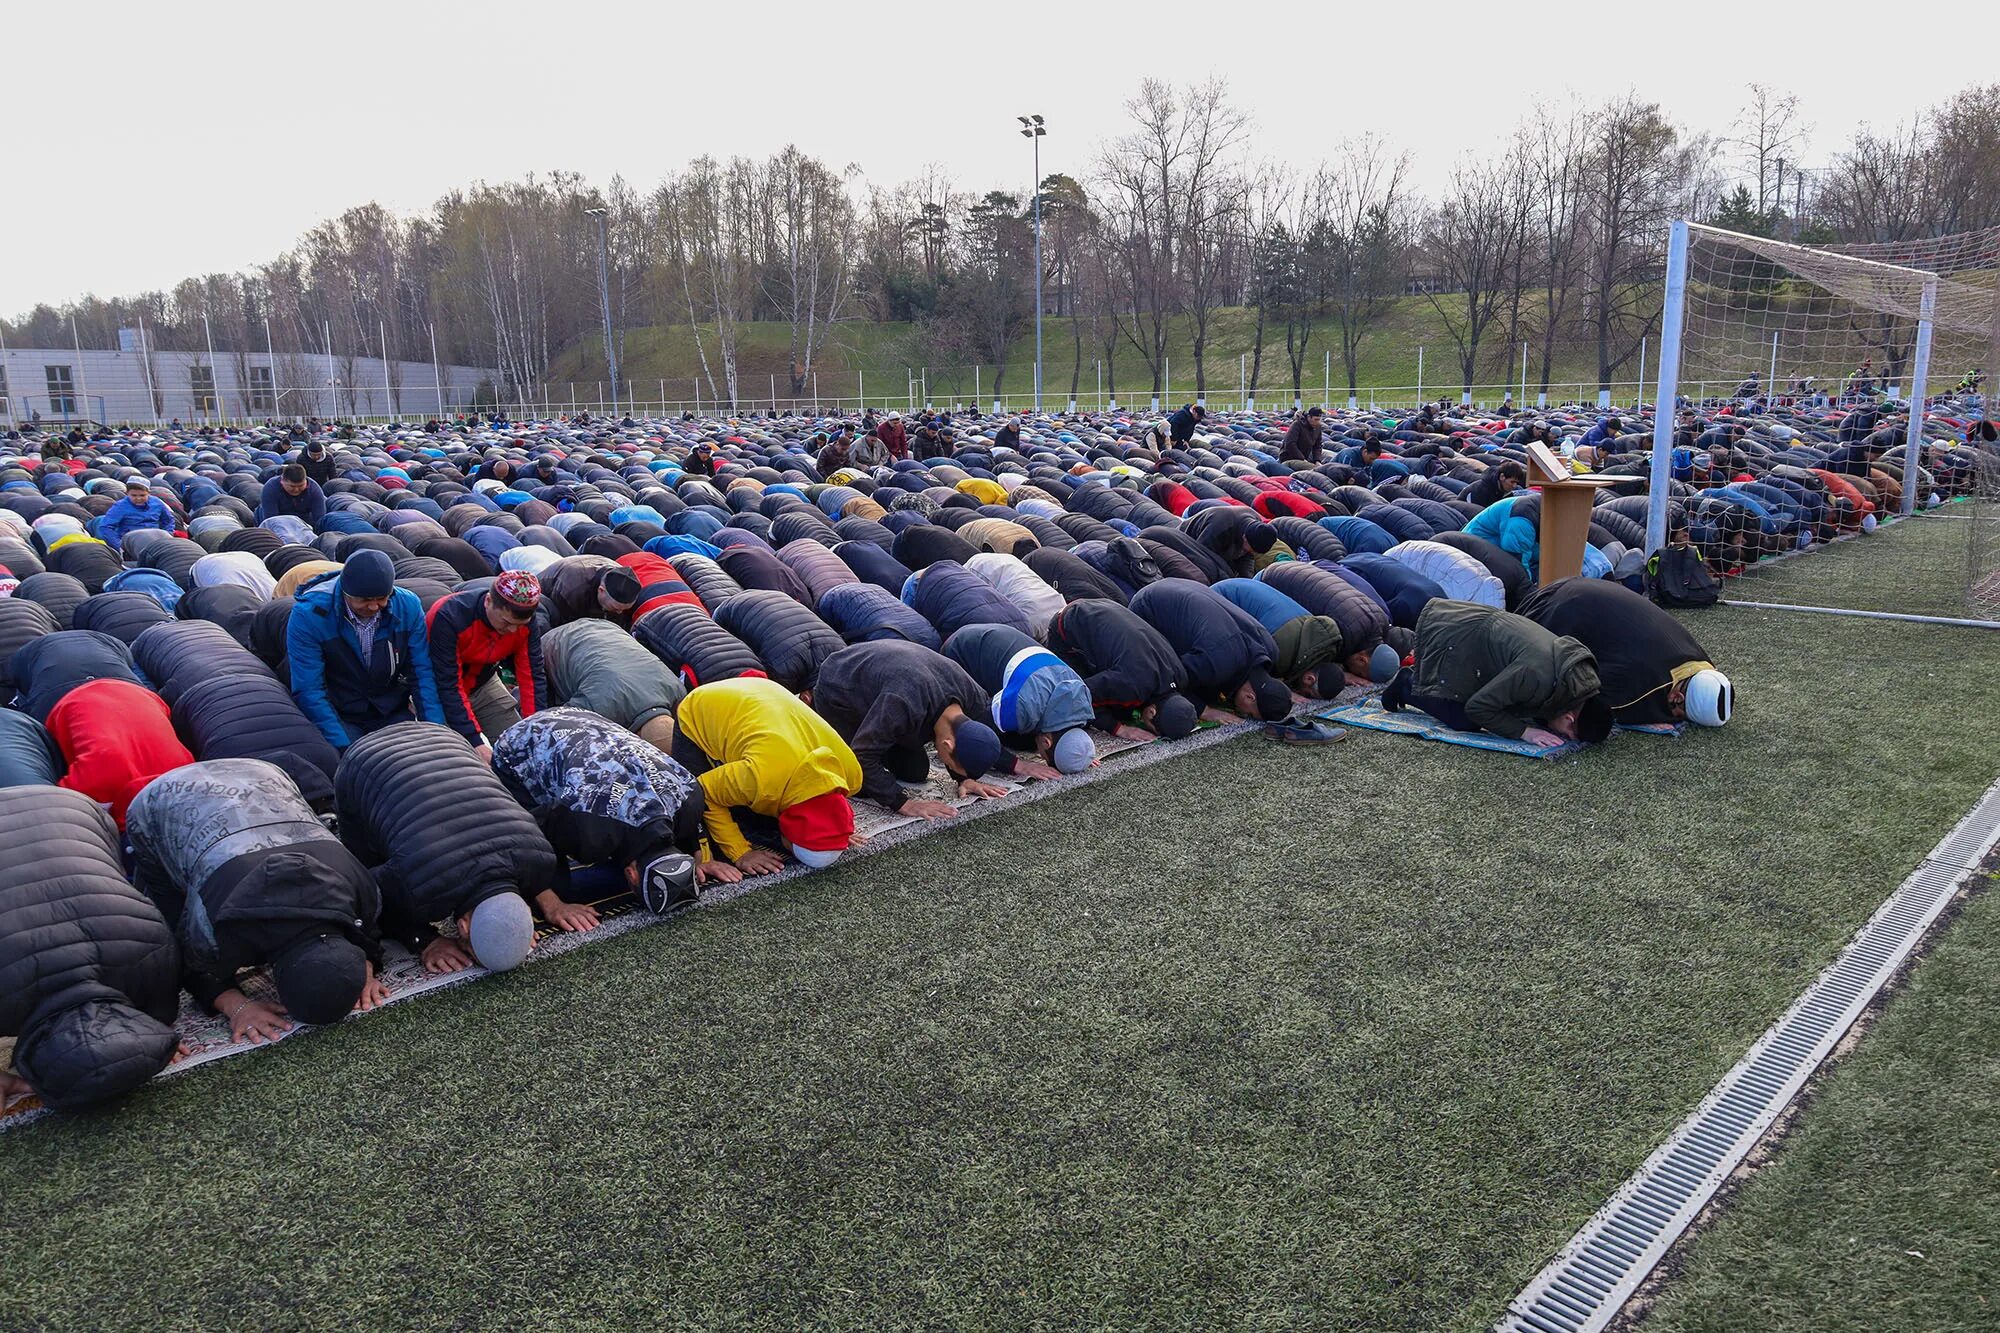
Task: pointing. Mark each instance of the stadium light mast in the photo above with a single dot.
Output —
(604, 296)
(1033, 130)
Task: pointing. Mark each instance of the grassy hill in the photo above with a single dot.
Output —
(879, 360)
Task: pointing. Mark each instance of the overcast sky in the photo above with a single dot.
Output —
(164, 141)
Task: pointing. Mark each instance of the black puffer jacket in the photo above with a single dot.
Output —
(58, 593)
(692, 644)
(224, 604)
(250, 716)
(89, 563)
(1070, 576)
(790, 640)
(418, 805)
(122, 615)
(181, 654)
(20, 621)
(89, 972)
(706, 578)
(46, 669)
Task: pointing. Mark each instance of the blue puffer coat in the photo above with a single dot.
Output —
(951, 597)
(859, 612)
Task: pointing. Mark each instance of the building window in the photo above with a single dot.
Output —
(62, 391)
(201, 384)
(263, 392)
(5, 405)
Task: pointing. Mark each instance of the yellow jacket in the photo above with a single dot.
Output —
(770, 752)
(985, 491)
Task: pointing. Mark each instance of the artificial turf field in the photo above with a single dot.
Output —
(1345, 1038)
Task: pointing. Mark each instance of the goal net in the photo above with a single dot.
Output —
(1796, 373)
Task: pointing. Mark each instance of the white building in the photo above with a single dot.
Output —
(61, 384)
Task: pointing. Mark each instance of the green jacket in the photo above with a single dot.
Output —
(1505, 670)
(1305, 642)
(595, 665)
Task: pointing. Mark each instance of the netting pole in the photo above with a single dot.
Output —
(1672, 313)
(1913, 447)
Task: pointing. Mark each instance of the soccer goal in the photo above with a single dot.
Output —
(1826, 404)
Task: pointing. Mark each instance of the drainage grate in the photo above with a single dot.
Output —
(1589, 1282)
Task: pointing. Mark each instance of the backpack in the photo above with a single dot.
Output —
(1677, 577)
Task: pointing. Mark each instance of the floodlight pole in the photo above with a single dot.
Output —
(1672, 314)
(604, 296)
(1913, 446)
(1032, 129)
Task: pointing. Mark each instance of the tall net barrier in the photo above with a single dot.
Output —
(1798, 373)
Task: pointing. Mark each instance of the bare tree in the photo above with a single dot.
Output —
(813, 238)
(1474, 239)
(1768, 132)
(706, 220)
(1635, 179)
(1556, 149)
(1364, 220)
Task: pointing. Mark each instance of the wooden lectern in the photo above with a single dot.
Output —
(1567, 499)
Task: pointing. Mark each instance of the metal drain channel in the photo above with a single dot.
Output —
(1587, 1284)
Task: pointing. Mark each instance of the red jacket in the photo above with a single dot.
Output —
(466, 651)
(894, 438)
(117, 737)
(660, 584)
(1276, 504)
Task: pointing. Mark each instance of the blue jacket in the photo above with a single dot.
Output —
(330, 680)
(1273, 609)
(124, 517)
(1519, 537)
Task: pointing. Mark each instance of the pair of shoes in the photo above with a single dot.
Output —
(1297, 731)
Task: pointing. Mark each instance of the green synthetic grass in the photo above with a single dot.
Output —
(886, 356)
(1882, 1213)
(1917, 566)
(1269, 1037)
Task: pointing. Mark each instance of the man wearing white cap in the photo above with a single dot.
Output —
(1652, 669)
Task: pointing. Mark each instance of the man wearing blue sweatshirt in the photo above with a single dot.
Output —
(138, 511)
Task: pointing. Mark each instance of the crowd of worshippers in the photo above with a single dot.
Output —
(279, 695)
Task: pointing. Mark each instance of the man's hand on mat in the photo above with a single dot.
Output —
(181, 1052)
(1217, 715)
(1125, 731)
(760, 861)
(717, 872)
(974, 787)
(12, 1088)
(446, 955)
(373, 993)
(253, 1020)
(566, 916)
(926, 809)
(1034, 768)
(1536, 736)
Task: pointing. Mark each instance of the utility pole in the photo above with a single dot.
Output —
(1033, 130)
(604, 295)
